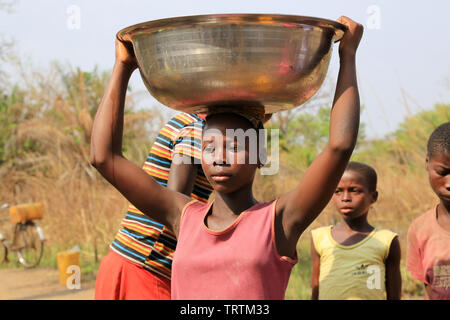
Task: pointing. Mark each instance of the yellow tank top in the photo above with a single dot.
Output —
(355, 272)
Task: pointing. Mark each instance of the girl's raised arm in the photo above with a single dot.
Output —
(152, 199)
(296, 210)
(393, 280)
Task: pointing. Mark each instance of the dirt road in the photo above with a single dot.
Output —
(40, 284)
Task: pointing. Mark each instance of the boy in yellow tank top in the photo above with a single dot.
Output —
(354, 260)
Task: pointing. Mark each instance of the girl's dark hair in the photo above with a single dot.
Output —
(369, 173)
(259, 126)
(439, 141)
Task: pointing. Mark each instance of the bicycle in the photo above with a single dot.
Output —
(27, 238)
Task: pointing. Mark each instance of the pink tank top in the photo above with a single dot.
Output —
(238, 263)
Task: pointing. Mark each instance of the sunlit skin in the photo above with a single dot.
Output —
(353, 200)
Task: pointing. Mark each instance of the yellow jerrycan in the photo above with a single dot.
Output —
(25, 212)
(69, 268)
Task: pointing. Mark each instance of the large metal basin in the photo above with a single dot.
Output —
(195, 62)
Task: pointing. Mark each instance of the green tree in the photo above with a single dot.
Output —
(407, 144)
(304, 131)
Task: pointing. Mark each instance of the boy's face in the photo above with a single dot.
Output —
(438, 167)
(352, 197)
(226, 161)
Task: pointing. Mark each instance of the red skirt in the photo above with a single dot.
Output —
(121, 279)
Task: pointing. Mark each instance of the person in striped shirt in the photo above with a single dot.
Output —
(138, 265)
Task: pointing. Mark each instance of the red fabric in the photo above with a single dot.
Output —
(121, 279)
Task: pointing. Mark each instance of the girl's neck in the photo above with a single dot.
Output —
(443, 215)
(234, 203)
(358, 224)
(444, 208)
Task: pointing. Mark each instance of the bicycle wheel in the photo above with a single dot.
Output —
(29, 243)
(3, 249)
(3, 253)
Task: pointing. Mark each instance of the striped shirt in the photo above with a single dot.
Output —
(141, 239)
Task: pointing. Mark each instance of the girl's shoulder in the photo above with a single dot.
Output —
(424, 225)
(385, 238)
(195, 205)
(320, 237)
(321, 230)
(385, 235)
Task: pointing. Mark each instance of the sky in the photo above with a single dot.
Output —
(403, 61)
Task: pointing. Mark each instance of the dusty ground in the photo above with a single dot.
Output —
(40, 284)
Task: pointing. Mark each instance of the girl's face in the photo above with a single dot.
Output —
(227, 159)
(438, 168)
(352, 197)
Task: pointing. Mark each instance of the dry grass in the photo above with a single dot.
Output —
(47, 158)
